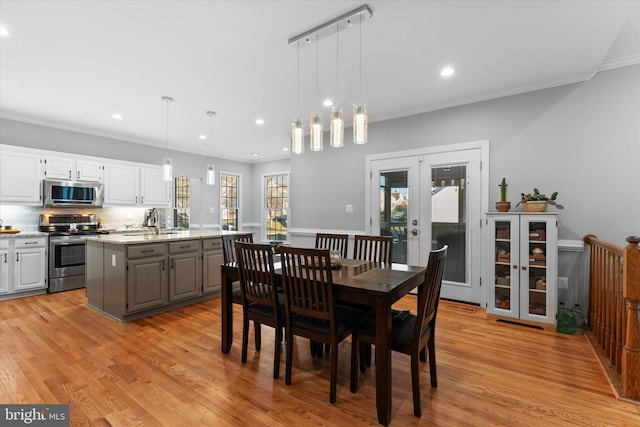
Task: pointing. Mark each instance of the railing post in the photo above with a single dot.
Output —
(631, 294)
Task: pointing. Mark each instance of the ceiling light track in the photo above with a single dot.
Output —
(328, 28)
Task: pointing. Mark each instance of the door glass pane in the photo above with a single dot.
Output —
(503, 264)
(394, 204)
(449, 218)
(538, 268)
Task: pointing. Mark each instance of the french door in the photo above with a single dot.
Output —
(428, 201)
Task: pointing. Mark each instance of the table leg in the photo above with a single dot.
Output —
(227, 312)
(383, 362)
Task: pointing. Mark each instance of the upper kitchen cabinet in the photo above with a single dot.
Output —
(20, 177)
(72, 169)
(129, 185)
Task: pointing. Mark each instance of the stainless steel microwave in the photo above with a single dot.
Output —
(72, 193)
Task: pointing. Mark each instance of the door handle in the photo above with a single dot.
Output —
(414, 231)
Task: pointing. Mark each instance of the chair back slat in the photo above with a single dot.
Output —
(307, 282)
(256, 271)
(228, 241)
(429, 293)
(373, 248)
(333, 242)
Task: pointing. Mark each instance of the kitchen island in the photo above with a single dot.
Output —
(130, 276)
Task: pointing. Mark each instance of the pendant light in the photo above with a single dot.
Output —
(167, 171)
(360, 119)
(337, 122)
(297, 132)
(316, 135)
(211, 169)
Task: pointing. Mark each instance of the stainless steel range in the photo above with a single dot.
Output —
(67, 237)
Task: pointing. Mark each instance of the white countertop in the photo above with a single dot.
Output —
(26, 234)
(164, 236)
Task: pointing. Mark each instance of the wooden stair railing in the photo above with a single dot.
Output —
(614, 307)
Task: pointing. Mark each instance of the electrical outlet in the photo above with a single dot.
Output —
(349, 208)
(212, 210)
(563, 283)
(113, 260)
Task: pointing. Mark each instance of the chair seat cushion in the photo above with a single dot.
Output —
(402, 327)
(265, 310)
(345, 316)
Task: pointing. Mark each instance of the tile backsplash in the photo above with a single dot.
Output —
(26, 218)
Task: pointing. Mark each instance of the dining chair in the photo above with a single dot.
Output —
(229, 254)
(310, 310)
(412, 334)
(334, 242)
(373, 248)
(261, 301)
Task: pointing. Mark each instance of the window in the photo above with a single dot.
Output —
(276, 205)
(229, 202)
(182, 202)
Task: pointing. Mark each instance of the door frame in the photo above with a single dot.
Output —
(483, 146)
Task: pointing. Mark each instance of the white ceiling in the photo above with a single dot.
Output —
(72, 64)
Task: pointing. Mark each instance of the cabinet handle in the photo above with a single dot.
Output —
(69, 173)
(173, 263)
(144, 251)
(17, 256)
(136, 199)
(5, 258)
(162, 265)
(78, 175)
(30, 243)
(515, 267)
(185, 246)
(141, 199)
(524, 268)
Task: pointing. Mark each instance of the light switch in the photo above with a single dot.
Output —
(212, 210)
(349, 208)
(113, 260)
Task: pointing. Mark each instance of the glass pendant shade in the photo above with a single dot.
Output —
(337, 127)
(316, 142)
(360, 123)
(211, 174)
(297, 137)
(167, 171)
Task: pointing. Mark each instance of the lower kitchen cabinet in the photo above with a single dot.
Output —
(130, 281)
(185, 270)
(23, 266)
(212, 259)
(146, 283)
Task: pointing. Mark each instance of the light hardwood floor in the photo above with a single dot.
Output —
(167, 370)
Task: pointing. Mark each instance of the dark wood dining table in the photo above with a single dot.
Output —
(376, 284)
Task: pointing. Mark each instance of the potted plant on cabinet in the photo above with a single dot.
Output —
(503, 205)
(537, 202)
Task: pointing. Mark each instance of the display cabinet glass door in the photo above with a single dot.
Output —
(538, 252)
(505, 262)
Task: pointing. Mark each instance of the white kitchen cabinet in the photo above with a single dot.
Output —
(4, 267)
(522, 270)
(127, 185)
(23, 266)
(153, 187)
(20, 177)
(72, 169)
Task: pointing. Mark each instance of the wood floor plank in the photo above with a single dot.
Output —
(168, 370)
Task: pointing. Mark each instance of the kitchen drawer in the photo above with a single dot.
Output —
(184, 246)
(31, 242)
(138, 251)
(211, 244)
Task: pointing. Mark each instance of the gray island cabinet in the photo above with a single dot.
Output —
(135, 276)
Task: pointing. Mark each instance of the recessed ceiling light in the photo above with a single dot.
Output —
(255, 154)
(203, 137)
(259, 121)
(285, 148)
(328, 103)
(447, 71)
(117, 116)
(3, 31)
